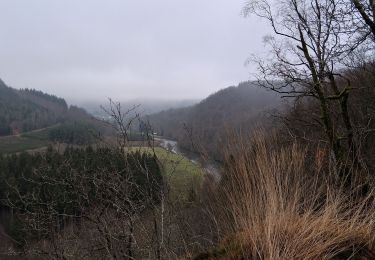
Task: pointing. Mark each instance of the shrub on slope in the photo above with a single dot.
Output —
(285, 205)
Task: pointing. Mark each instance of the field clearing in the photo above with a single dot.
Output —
(27, 141)
(183, 176)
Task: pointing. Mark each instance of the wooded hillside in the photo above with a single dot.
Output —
(26, 110)
(29, 109)
(236, 107)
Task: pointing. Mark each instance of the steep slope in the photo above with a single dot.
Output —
(26, 110)
(206, 124)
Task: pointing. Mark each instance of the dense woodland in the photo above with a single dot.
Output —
(20, 112)
(28, 109)
(47, 191)
(203, 127)
(74, 133)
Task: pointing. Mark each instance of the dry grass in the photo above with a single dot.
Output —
(283, 206)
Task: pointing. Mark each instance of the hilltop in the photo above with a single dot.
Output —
(236, 107)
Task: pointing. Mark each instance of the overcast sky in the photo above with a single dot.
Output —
(126, 49)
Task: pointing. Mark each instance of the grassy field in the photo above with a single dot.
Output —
(184, 177)
(24, 142)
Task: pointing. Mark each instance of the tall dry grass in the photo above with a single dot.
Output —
(279, 202)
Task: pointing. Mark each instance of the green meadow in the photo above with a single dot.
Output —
(184, 177)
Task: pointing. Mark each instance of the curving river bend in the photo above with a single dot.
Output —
(211, 167)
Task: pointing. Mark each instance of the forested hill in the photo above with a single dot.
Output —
(235, 107)
(27, 109)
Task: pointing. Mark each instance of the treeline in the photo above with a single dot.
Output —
(74, 133)
(28, 109)
(46, 191)
(202, 128)
(19, 114)
(81, 128)
(45, 96)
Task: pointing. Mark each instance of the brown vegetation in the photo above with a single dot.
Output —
(278, 203)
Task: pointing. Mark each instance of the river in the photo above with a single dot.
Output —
(211, 167)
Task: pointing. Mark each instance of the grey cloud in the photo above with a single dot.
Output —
(91, 49)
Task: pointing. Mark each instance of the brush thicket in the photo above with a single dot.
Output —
(279, 202)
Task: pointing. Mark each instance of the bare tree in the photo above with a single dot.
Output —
(364, 15)
(309, 44)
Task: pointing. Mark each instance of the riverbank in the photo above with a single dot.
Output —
(211, 167)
